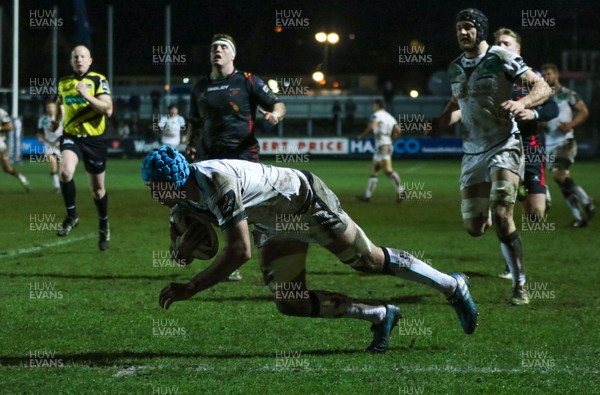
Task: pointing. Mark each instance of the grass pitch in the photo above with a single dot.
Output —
(76, 320)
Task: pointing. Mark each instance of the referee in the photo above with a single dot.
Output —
(84, 102)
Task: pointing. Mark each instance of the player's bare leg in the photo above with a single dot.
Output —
(9, 169)
(502, 199)
(475, 207)
(574, 196)
(69, 192)
(372, 184)
(394, 178)
(283, 264)
(534, 206)
(355, 249)
(101, 200)
(53, 165)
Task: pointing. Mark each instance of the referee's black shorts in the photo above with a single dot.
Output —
(91, 149)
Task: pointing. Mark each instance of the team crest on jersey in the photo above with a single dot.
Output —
(227, 203)
(89, 86)
(234, 91)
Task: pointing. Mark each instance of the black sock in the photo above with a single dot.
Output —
(68, 191)
(102, 207)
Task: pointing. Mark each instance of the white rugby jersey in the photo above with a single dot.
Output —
(480, 86)
(171, 128)
(45, 126)
(234, 190)
(383, 130)
(566, 99)
(4, 117)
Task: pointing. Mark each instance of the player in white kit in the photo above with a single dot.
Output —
(290, 209)
(492, 166)
(385, 128)
(51, 140)
(171, 127)
(560, 140)
(6, 126)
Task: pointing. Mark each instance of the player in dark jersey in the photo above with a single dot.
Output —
(84, 102)
(223, 108)
(533, 191)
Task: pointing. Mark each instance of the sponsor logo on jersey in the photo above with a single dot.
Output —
(227, 203)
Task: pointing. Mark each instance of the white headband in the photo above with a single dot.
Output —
(226, 42)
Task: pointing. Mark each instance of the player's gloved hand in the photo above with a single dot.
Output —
(173, 293)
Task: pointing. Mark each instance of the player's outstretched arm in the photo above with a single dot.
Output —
(237, 251)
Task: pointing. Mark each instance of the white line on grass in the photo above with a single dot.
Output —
(319, 368)
(412, 169)
(28, 250)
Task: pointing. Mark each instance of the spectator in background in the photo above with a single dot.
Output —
(350, 111)
(134, 104)
(123, 129)
(155, 99)
(337, 112)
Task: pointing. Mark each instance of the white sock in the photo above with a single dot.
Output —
(55, 181)
(574, 206)
(511, 264)
(396, 181)
(374, 314)
(581, 195)
(411, 268)
(371, 187)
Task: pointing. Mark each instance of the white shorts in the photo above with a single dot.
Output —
(52, 149)
(383, 152)
(476, 169)
(321, 221)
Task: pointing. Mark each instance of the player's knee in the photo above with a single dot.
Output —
(475, 228)
(475, 214)
(360, 255)
(98, 191)
(65, 175)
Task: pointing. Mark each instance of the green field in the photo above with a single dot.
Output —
(78, 321)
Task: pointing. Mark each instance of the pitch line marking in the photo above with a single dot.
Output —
(28, 250)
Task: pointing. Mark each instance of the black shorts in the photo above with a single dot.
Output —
(91, 149)
(535, 164)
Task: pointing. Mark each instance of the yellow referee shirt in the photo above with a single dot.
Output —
(79, 118)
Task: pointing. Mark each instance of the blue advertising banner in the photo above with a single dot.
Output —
(409, 146)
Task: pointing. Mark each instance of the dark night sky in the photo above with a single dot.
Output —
(380, 27)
